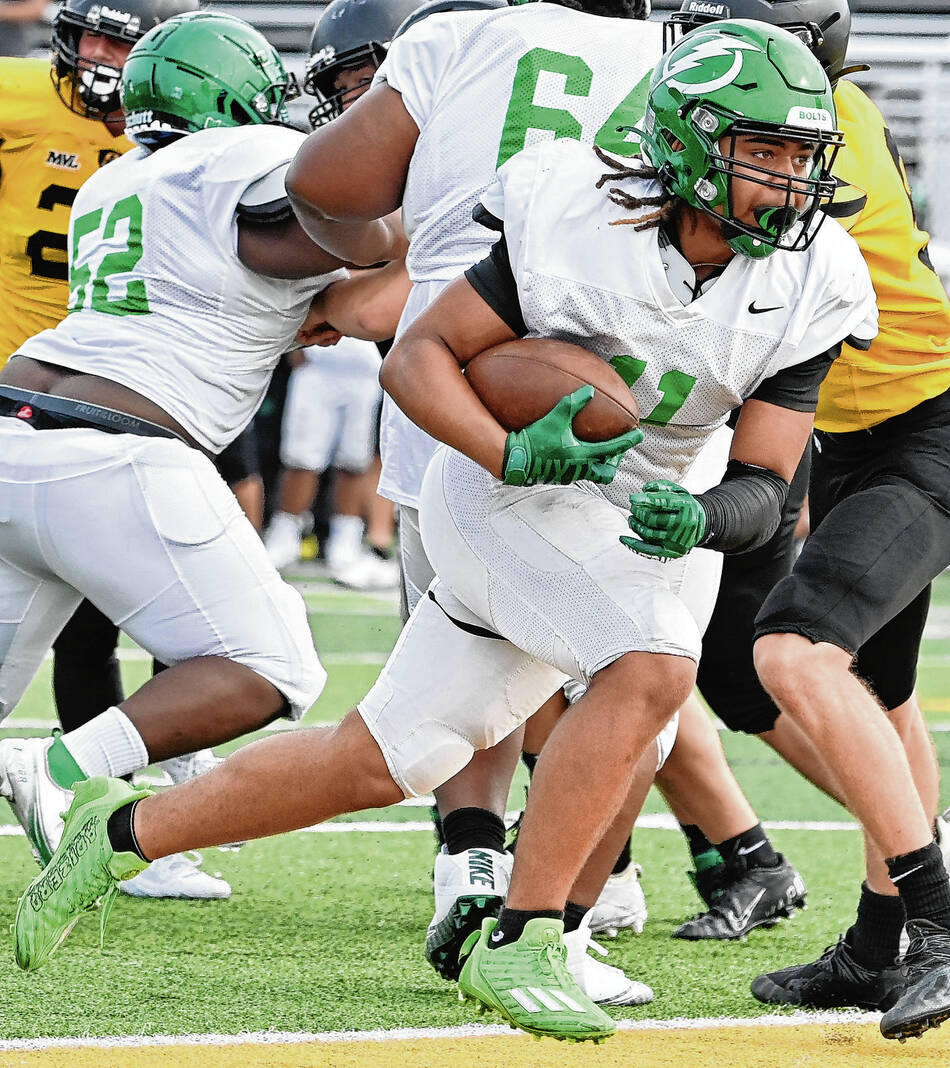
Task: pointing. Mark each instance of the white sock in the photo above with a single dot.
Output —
(109, 744)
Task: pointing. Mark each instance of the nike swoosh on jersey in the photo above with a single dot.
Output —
(753, 310)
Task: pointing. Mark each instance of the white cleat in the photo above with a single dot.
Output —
(367, 571)
(283, 537)
(182, 768)
(601, 982)
(37, 801)
(178, 876)
(621, 904)
(468, 888)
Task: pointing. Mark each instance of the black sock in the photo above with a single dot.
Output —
(529, 760)
(698, 843)
(875, 937)
(511, 923)
(623, 860)
(121, 832)
(751, 849)
(921, 881)
(473, 828)
(573, 915)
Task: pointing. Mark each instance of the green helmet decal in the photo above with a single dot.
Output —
(725, 81)
(200, 70)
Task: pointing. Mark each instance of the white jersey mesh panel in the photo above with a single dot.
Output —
(205, 339)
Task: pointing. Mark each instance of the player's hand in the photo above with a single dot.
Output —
(548, 451)
(668, 520)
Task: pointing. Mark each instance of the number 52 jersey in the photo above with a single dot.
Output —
(46, 153)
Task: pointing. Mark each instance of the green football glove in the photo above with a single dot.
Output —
(548, 451)
(668, 520)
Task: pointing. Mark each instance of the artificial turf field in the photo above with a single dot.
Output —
(324, 930)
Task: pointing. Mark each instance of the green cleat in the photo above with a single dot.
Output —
(528, 983)
(84, 869)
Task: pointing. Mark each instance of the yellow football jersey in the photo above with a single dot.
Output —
(46, 153)
(909, 361)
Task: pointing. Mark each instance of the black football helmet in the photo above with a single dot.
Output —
(823, 25)
(348, 34)
(92, 89)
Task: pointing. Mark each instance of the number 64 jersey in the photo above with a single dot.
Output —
(159, 300)
(583, 280)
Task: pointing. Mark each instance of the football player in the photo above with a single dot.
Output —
(508, 63)
(188, 278)
(58, 126)
(859, 594)
(535, 580)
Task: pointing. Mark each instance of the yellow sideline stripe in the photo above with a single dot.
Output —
(803, 1046)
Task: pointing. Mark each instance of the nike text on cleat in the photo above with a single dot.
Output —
(621, 904)
(529, 984)
(37, 801)
(834, 981)
(83, 869)
(178, 876)
(755, 898)
(925, 970)
(468, 887)
(601, 982)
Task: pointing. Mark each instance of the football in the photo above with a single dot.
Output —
(520, 381)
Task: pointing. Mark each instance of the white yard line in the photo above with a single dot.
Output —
(267, 1038)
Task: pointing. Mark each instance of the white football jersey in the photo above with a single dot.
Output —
(604, 287)
(481, 86)
(159, 300)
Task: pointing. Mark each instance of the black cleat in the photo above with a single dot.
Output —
(756, 897)
(925, 969)
(834, 981)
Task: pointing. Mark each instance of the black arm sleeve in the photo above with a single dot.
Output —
(797, 387)
(744, 510)
(492, 280)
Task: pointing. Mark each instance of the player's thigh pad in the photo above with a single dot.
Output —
(313, 419)
(447, 690)
(544, 567)
(158, 542)
(414, 567)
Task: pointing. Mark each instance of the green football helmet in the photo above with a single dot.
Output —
(200, 70)
(725, 81)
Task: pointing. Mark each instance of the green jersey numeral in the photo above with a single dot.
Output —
(675, 387)
(524, 114)
(120, 262)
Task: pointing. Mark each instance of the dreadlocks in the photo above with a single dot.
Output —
(665, 204)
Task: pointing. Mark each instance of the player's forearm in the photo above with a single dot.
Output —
(423, 377)
(368, 304)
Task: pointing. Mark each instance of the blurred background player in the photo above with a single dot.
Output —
(330, 419)
(57, 127)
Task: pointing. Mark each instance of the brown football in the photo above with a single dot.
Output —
(520, 381)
